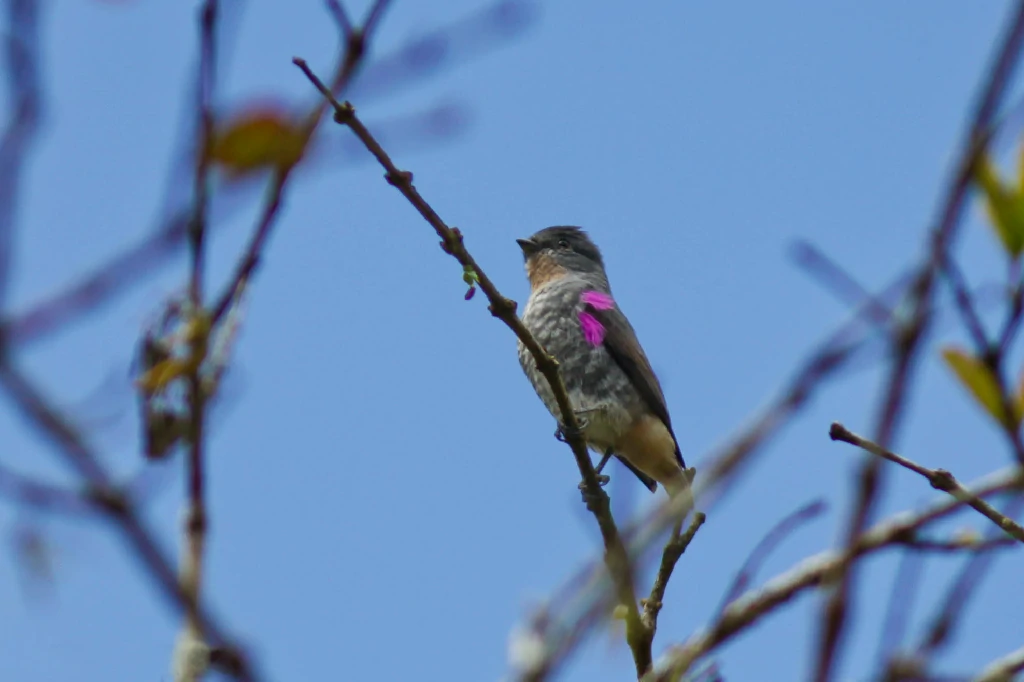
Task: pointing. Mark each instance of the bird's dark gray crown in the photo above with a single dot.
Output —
(568, 244)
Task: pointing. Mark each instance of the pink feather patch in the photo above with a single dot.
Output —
(593, 331)
(599, 300)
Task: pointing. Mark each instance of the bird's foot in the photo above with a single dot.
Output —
(593, 498)
(602, 480)
(562, 433)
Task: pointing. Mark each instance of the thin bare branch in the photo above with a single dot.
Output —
(1002, 669)
(766, 546)
(374, 16)
(190, 657)
(341, 17)
(959, 546)
(98, 287)
(965, 303)
(674, 549)
(837, 280)
(483, 30)
(818, 570)
(22, 60)
(961, 590)
(1016, 313)
(940, 479)
(905, 587)
(41, 496)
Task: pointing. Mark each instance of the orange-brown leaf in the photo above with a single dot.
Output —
(257, 140)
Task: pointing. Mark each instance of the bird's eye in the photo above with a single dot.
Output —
(563, 243)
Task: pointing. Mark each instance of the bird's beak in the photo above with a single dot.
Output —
(528, 246)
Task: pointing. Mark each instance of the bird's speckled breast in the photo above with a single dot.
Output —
(597, 386)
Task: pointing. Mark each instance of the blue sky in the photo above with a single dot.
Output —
(386, 494)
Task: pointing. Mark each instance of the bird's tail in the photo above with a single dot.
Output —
(680, 489)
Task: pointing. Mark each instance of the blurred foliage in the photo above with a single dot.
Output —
(983, 385)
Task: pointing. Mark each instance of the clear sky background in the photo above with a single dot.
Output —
(387, 500)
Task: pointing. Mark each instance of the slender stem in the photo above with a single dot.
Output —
(191, 571)
(940, 479)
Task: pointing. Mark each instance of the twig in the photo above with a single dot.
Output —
(766, 546)
(904, 591)
(204, 124)
(674, 549)
(85, 295)
(840, 282)
(940, 479)
(337, 11)
(956, 546)
(1002, 669)
(375, 15)
(963, 587)
(818, 570)
(964, 303)
(42, 496)
(191, 655)
(505, 310)
(21, 52)
(1016, 312)
(426, 54)
(254, 250)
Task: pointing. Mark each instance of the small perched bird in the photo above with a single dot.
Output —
(611, 386)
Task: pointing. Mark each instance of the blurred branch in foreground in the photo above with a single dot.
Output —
(446, 47)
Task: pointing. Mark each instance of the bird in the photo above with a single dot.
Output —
(613, 391)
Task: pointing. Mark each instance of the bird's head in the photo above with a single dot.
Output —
(557, 251)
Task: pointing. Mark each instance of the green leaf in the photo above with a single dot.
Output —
(470, 277)
(1004, 204)
(1019, 395)
(1020, 170)
(977, 378)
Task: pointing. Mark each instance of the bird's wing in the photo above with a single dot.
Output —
(621, 343)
